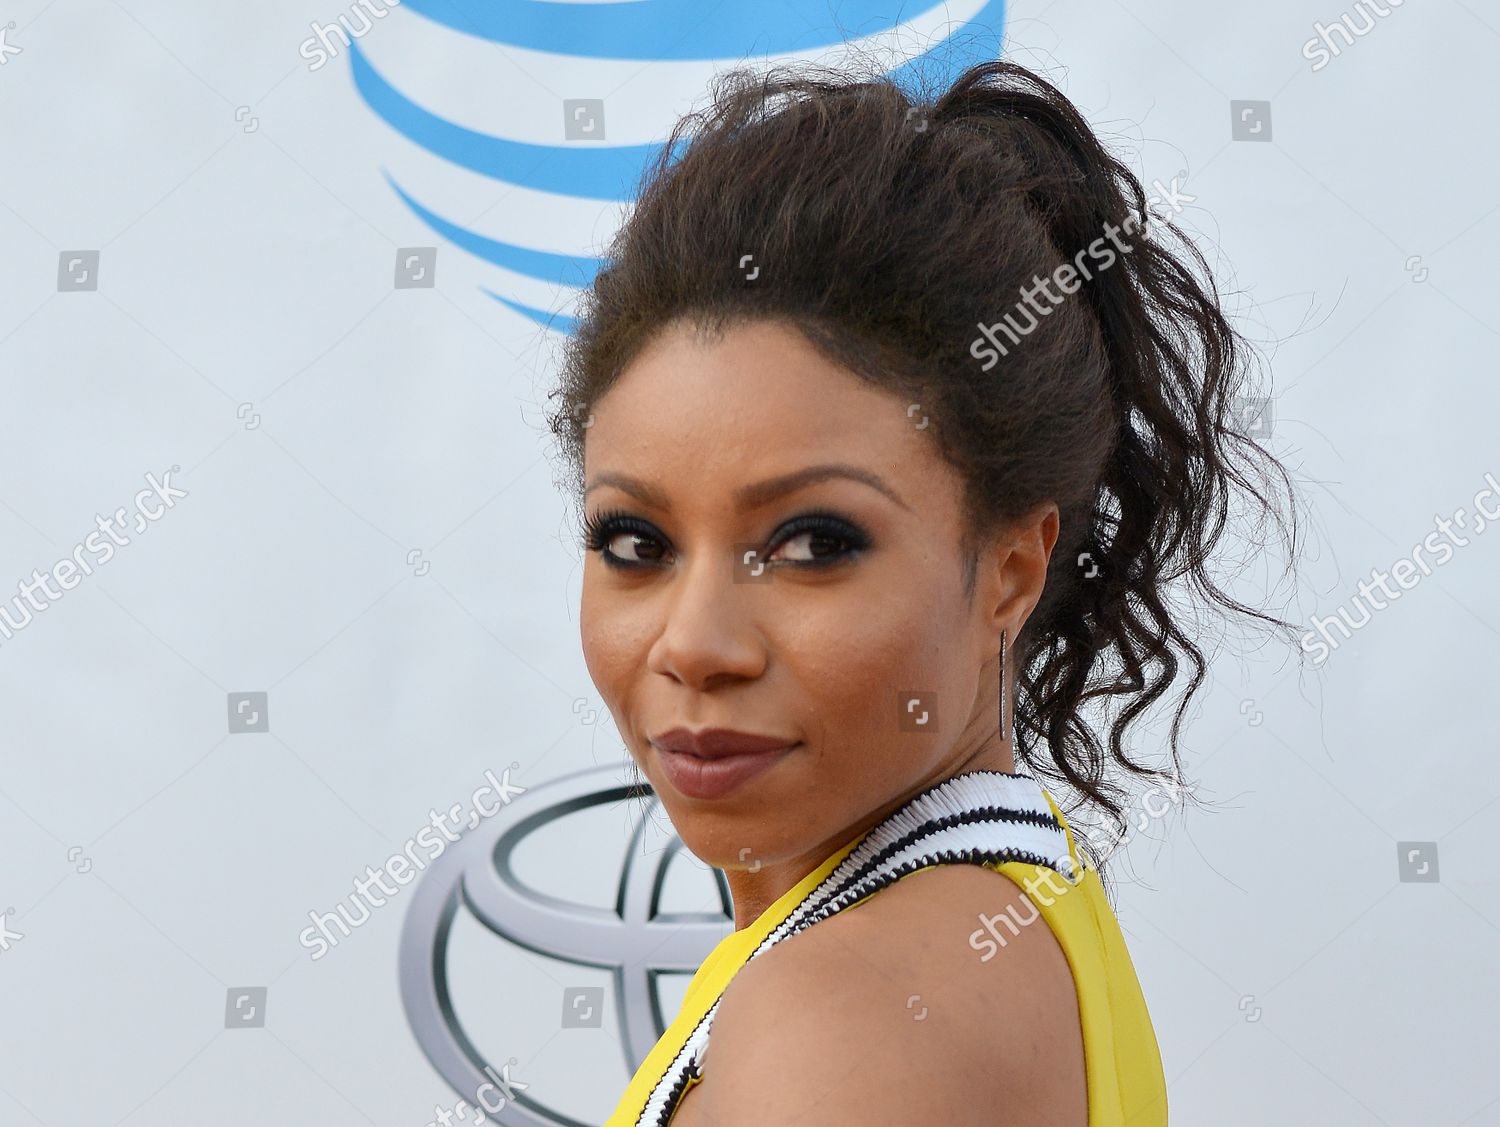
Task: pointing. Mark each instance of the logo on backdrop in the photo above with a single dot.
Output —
(584, 164)
(635, 941)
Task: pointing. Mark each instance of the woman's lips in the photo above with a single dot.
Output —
(719, 776)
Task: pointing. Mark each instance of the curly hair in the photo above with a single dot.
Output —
(893, 232)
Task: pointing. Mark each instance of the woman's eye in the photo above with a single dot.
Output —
(817, 540)
(810, 547)
(633, 548)
(622, 541)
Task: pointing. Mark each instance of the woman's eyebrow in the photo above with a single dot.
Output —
(760, 493)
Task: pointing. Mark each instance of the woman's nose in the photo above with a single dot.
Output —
(707, 631)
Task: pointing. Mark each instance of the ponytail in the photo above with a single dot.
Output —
(1174, 367)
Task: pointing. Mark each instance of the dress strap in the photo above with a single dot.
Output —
(978, 817)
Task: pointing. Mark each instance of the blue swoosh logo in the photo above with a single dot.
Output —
(665, 30)
(598, 172)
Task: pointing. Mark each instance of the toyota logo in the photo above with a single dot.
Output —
(635, 941)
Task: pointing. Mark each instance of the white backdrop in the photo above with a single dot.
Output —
(371, 537)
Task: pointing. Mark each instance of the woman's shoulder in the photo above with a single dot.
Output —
(887, 1009)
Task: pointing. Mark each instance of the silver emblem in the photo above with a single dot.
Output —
(636, 941)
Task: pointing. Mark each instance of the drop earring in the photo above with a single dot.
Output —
(1003, 737)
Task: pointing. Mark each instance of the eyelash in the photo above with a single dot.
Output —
(600, 528)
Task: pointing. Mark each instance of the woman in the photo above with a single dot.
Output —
(870, 522)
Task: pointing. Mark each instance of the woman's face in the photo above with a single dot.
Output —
(787, 566)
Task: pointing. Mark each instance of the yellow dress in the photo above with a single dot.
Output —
(1008, 823)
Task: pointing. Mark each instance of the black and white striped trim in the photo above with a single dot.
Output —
(975, 818)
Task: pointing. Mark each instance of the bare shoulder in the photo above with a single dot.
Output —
(887, 1013)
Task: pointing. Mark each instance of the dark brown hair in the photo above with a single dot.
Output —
(888, 229)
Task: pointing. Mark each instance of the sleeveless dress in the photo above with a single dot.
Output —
(1005, 822)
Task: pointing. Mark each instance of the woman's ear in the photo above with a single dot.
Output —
(1021, 555)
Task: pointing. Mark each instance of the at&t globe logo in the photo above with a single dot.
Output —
(556, 103)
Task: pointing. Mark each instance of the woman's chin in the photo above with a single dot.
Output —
(734, 846)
